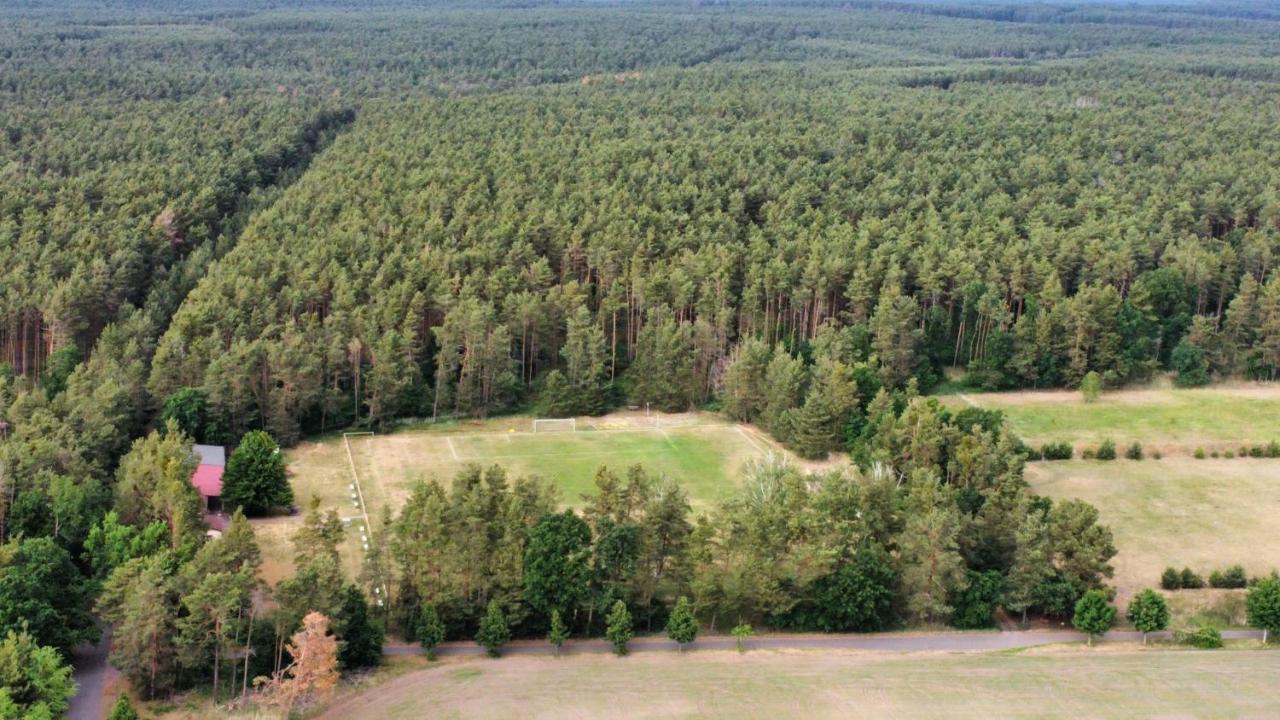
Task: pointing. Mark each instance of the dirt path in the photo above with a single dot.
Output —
(92, 672)
(891, 642)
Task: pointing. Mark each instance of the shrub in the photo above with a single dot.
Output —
(740, 634)
(1134, 452)
(1057, 451)
(975, 607)
(1273, 449)
(1205, 637)
(1213, 454)
(1190, 580)
(1171, 579)
(1257, 451)
(1088, 454)
(1091, 387)
(1232, 577)
(1155, 455)
(1199, 453)
(1228, 455)
(1107, 450)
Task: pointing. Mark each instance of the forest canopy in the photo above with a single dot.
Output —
(299, 216)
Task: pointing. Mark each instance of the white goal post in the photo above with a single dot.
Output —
(542, 425)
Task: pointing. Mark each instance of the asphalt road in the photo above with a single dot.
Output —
(90, 673)
(890, 642)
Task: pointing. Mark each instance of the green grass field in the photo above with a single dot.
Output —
(1205, 514)
(1171, 420)
(702, 452)
(1049, 683)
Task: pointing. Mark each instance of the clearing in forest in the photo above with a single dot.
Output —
(1205, 514)
(1049, 683)
(1173, 421)
(701, 451)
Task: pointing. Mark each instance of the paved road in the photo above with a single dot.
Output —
(91, 672)
(891, 642)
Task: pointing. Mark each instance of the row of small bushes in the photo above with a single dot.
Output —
(1270, 450)
(1104, 451)
(1187, 579)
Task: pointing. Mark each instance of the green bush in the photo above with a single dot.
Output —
(1171, 579)
(1057, 451)
(1205, 637)
(1273, 449)
(1228, 455)
(1107, 450)
(1190, 580)
(1134, 452)
(1257, 451)
(1155, 455)
(1232, 577)
(1199, 453)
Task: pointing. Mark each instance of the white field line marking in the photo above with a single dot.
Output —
(364, 507)
(522, 456)
(754, 443)
(548, 433)
(452, 450)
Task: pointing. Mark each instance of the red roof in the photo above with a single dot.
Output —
(208, 480)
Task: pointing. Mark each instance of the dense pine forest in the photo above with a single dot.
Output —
(301, 216)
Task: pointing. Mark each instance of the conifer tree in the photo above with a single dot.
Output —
(682, 626)
(618, 627)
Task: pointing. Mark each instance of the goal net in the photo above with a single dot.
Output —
(542, 425)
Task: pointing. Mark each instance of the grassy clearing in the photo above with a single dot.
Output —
(1167, 419)
(1063, 683)
(703, 453)
(1205, 514)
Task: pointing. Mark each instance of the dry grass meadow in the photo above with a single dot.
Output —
(1205, 514)
(1114, 682)
(1173, 421)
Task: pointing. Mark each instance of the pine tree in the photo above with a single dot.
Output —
(618, 627)
(585, 357)
(745, 390)
(493, 632)
(813, 428)
(784, 390)
(932, 565)
(430, 630)
(682, 626)
(896, 335)
(359, 637)
(558, 633)
(122, 710)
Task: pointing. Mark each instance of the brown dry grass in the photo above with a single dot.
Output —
(1206, 514)
(1118, 683)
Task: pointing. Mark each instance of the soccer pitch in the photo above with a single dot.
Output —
(700, 451)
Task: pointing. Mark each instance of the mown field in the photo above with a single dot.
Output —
(1049, 683)
(1170, 420)
(1205, 514)
(702, 452)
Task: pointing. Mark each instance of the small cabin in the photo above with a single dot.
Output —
(207, 478)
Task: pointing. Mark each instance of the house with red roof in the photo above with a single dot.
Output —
(208, 475)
